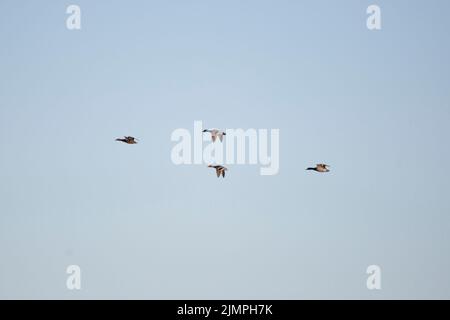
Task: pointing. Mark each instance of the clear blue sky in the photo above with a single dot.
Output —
(374, 105)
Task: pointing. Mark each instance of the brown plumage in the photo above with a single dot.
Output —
(220, 170)
(321, 167)
(127, 140)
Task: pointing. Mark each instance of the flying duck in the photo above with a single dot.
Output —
(128, 140)
(320, 168)
(220, 170)
(216, 133)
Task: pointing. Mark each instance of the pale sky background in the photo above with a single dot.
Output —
(373, 105)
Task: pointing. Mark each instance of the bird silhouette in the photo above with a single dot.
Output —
(321, 167)
(127, 140)
(220, 170)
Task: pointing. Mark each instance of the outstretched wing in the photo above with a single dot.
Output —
(218, 172)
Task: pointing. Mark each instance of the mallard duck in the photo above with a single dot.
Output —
(128, 140)
(320, 168)
(216, 133)
(220, 170)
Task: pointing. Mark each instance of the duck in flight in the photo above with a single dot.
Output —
(127, 140)
(220, 170)
(216, 133)
(321, 167)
